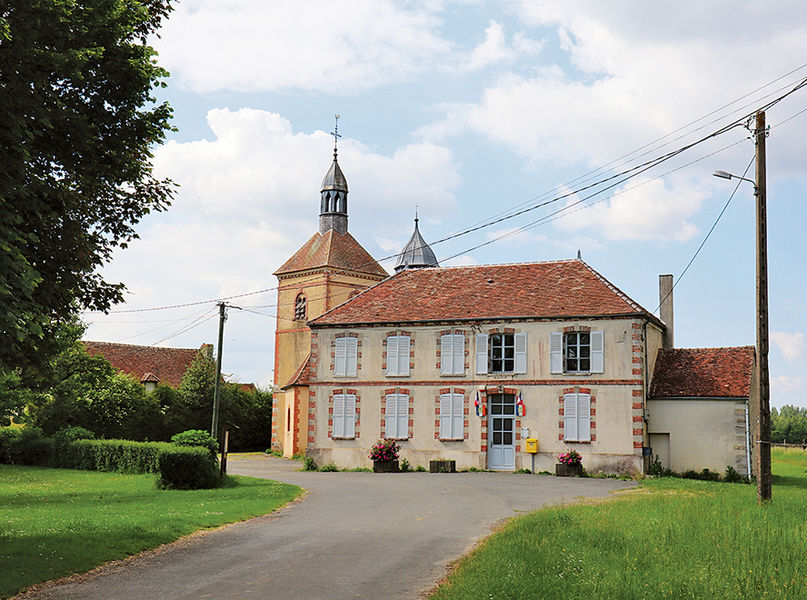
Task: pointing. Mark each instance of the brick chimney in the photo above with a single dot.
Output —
(665, 296)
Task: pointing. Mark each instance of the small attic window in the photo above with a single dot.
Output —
(299, 308)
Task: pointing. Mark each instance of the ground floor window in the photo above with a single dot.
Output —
(452, 416)
(577, 417)
(344, 416)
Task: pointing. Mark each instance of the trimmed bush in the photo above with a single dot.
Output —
(196, 437)
(187, 468)
(111, 455)
(24, 446)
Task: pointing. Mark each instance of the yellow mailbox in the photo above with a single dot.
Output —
(531, 445)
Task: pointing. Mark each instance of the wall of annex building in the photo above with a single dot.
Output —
(617, 394)
(699, 433)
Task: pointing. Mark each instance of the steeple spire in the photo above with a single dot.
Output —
(333, 194)
(416, 254)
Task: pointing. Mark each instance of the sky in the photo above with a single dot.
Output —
(469, 111)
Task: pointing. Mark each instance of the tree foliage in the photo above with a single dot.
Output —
(789, 425)
(79, 120)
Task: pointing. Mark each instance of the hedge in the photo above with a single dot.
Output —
(177, 467)
(188, 468)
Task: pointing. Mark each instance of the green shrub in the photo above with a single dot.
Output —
(309, 464)
(24, 446)
(196, 437)
(732, 476)
(420, 469)
(328, 468)
(187, 468)
(405, 466)
(111, 455)
(73, 433)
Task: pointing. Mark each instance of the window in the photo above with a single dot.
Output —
(452, 354)
(576, 352)
(344, 416)
(451, 416)
(501, 353)
(577, 418)
(299, 308)
(396, 416)
(398, 355)
(346, 352)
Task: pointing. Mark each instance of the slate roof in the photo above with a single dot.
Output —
(703, 373)
(147, 363)
(559, 289)
(332, 249)
(416, 254)
(302, 376)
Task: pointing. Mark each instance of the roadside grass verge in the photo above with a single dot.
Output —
(671, 538)
(54, 522)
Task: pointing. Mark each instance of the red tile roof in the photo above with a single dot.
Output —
(148, 363)
(703, 373)
(561, 289)
(332, 249)
(302, 376)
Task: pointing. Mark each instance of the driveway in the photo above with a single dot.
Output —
(354, 535)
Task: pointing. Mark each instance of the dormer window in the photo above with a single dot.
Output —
(299, 308)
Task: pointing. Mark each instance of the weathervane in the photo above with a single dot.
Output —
(335, 134)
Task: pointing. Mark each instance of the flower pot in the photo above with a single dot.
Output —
(385, 466)
(564, 470)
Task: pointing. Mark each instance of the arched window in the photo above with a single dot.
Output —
(299, 308)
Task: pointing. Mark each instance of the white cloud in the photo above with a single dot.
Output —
(647, 209)
(253, 45)
(495, 48)
(248, 199)
(786, 384)
(629, 74)
(791, 345)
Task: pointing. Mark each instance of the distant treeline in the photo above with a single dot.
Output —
(789, 425)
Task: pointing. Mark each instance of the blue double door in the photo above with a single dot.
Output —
(502, 432)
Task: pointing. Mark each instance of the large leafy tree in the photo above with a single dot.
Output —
(78, 121)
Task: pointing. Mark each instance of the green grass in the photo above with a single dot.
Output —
(671, 538)
(54, 522)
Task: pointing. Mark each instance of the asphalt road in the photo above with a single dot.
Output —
(354, 535)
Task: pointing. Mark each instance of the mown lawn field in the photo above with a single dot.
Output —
(671, 538)
(54, 522)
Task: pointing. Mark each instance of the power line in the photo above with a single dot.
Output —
(625, 175)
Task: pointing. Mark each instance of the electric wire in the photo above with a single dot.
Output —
(625, 174)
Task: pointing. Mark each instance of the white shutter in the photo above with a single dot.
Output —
(392, 355)
(481, 353)
(446, 356)
(445, 416)
(403, 416)
(520, 352)
(597, 354)
(403, 354)
(338, 416)
(350, 416)
(584, 417)
(459, 354)
(570, 417)
(457, 417)
(352, 358)
(340, 353)
(556, 352)
(391, 416)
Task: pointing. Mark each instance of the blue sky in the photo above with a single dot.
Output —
(468, 109)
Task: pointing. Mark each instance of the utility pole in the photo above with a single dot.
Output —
(214, 427)
(763, 375)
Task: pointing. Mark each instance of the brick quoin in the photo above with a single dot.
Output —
(637, 405)
(637, 418)
(637, 444)
(637, 432)
(636, 393)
